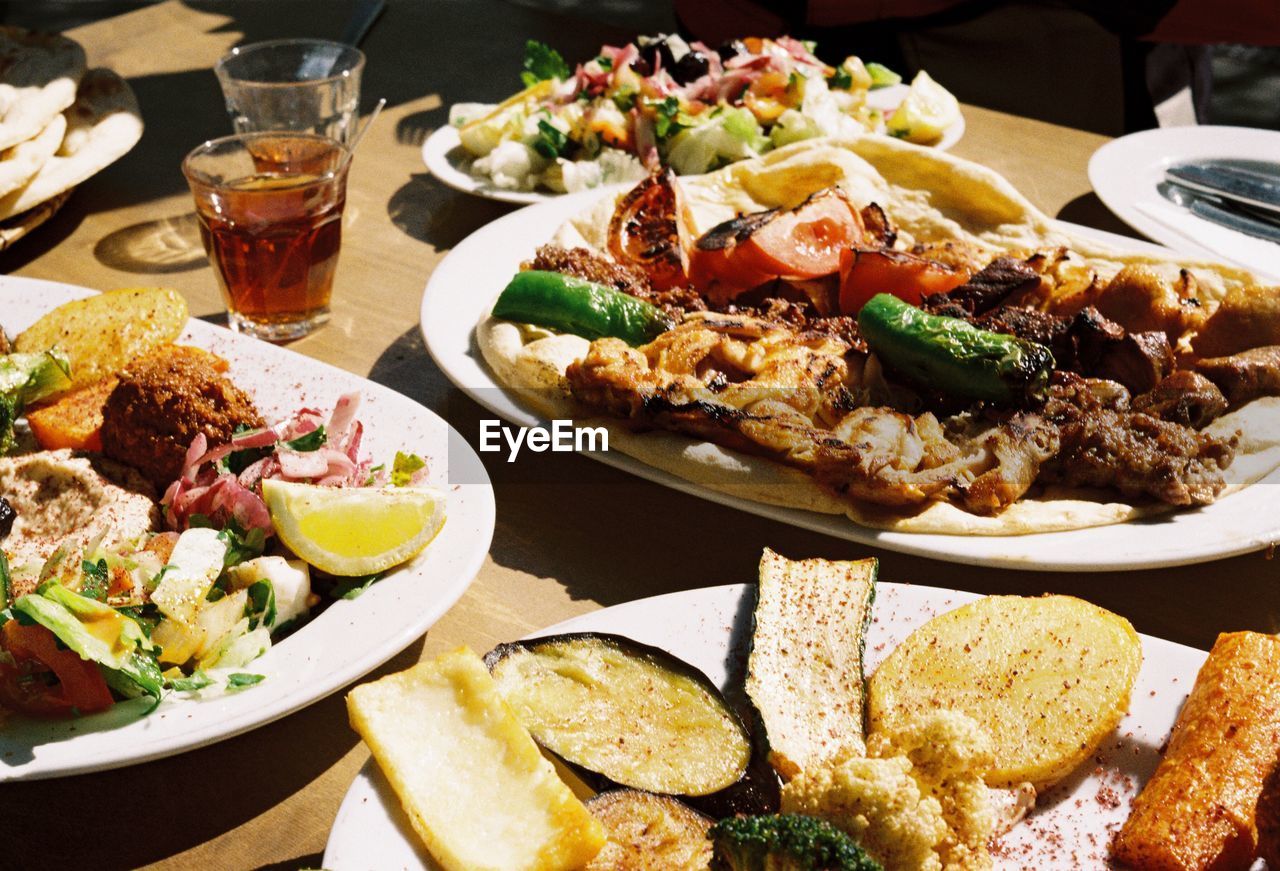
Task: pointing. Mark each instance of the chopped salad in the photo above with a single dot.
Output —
(663, 101)
(187, 609)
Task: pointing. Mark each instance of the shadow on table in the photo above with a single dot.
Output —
(190, 799)
(428, 210)
(1090, 211)
(156, 247)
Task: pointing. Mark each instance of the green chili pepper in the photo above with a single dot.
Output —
(954, 356)
(584, 308)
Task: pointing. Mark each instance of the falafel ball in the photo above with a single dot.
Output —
(161, 403)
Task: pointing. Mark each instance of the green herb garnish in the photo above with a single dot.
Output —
(542, 62)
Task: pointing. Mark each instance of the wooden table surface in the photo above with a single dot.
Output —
(572, 535)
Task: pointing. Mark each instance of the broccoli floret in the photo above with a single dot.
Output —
(785, 842)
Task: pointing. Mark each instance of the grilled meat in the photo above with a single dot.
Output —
(1246, 375)
(879, 229)
(1135, 453)
(1184, 397)
(761, 388)
(587, 264)
(988, 287)
(1141, 301)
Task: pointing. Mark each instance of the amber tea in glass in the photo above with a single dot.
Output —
(269, 207)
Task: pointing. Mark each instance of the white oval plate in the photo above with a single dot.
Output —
(449, 162)
(462, 290)
(1125, 172)
(1069, 829)
(346, 641)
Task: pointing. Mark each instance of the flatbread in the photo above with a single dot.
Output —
(15, 228)
(102, 125)
(930, 196)
(39, 75)
(19, 164)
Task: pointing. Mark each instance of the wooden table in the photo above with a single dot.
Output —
(572, 535)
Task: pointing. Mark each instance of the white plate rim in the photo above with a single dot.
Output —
(456, 553)
(369, 810)
(1114, 179)
(440, 145)
(1181, 538)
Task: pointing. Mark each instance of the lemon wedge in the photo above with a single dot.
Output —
(352, 531)
(928, 110)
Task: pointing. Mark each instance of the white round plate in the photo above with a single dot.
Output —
(1125, 172)
(1070, 827)
(462, 290)
(350, 638)
(449, 162)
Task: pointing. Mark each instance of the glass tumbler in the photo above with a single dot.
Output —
(308, 85)
(269, 206)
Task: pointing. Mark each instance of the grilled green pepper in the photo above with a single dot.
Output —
(584, 308)
(954, 356)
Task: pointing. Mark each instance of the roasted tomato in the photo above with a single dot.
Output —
(801, 244)
(650, 229)
(866, 272)
(45, 681)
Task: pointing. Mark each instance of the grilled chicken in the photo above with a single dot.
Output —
(1245, 376)
(758, 387)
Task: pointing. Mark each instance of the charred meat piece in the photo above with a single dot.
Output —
(1014, 453)
(1052, 331)
(7, 516)
(1134, 453)
(1184, 397)
(586, 264)
(989, 287)
(159, 406)
(1139, 361)
(879, 230)
(1245, 376)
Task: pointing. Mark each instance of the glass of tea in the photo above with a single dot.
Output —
(308, 85)
(269, 207)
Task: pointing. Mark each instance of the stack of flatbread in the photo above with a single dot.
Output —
(59, 124)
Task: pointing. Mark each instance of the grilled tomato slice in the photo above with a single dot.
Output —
(650, 228)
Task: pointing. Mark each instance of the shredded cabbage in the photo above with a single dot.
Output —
(732, 134)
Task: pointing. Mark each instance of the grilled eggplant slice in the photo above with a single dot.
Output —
(805, 671)
(623, 713)
(649, 832)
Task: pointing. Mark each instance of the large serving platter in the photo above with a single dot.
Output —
(709, 628)
(462, 289)
(448, 161)
(350, 638)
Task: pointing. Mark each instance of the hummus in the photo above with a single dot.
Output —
(70, 497)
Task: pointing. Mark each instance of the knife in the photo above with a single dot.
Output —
(1253, 189)
(1220, 212)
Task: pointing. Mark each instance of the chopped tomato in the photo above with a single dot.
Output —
(28, 684)
(866, 272)
(801, 244)
(650, 229)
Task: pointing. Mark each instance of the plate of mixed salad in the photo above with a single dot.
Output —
(200, 532)
(663, 101)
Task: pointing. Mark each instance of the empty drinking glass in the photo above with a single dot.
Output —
(307, 85)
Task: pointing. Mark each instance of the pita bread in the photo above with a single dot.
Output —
(930, 196)
(39, 75)
(18, 226)
(19, 164)
(102, 125)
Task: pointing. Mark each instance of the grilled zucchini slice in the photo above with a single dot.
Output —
(649, 832)
(805, 670)
(623, 713)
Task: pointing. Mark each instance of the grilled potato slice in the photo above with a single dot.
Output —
(1048, 678)
(102, 333)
